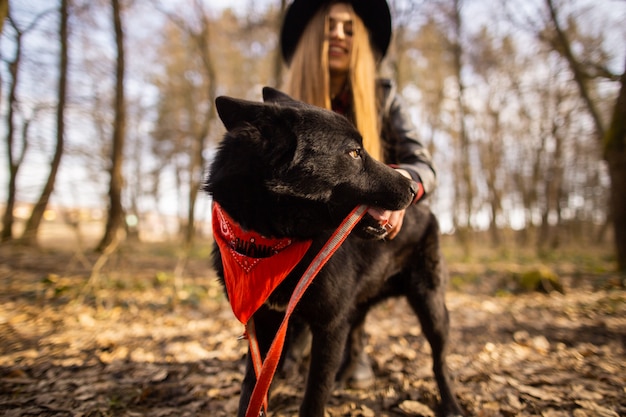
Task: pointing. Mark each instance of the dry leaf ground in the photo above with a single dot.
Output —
(128, 346)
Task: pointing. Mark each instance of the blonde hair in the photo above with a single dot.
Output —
(309, 78)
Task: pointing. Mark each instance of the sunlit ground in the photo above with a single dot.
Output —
(140, 339)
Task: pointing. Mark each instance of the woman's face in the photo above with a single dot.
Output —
(339, 39)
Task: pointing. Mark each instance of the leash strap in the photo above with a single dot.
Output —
(255, 353)
(265, 374)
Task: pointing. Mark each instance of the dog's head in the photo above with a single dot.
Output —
(286, 168)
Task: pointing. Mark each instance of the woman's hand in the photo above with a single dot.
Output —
(396, 217)
(395, 223)
(390, 220)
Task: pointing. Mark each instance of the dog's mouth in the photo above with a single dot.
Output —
(371, 228)
(378, 232)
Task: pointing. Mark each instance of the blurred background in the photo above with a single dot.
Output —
(108, 123)
(107, 126)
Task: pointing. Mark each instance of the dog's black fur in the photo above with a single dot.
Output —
(287, 169)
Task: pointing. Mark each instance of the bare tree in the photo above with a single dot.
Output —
(4, 13)
(115, 217)
(464, 184)
(202, 41)
(185, 130)
(613, 140)
(561, 42)
(32, 225)
(487, 58)
(14, 161)
(615, 155)
(492, 162)
(15, 154)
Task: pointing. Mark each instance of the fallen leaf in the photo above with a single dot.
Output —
(415, 408)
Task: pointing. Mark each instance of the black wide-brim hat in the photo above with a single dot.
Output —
(374, 13)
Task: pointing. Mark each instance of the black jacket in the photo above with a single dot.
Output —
(401, 144)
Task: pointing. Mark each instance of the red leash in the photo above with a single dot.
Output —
(265, 370)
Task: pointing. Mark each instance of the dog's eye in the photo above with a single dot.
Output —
(355, 153)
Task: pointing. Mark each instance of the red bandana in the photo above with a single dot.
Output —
(254, 265)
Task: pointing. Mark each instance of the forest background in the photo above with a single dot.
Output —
(108, 115)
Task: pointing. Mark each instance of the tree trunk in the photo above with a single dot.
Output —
(115, 218)
(29, 236)
(492, 160)
(4, 13)
(615, 155)
(7, 218)
(614, 139)
(464, 188)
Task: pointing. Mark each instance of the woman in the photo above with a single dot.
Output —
(333, 49)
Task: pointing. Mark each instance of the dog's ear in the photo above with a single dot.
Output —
(235, 112)
(272, 95)
(266, 125)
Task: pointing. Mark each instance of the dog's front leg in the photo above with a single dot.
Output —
(266, 323)
(326, 352)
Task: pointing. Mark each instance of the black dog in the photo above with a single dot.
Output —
(289, 170)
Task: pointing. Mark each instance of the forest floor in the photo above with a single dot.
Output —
(137, 341)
